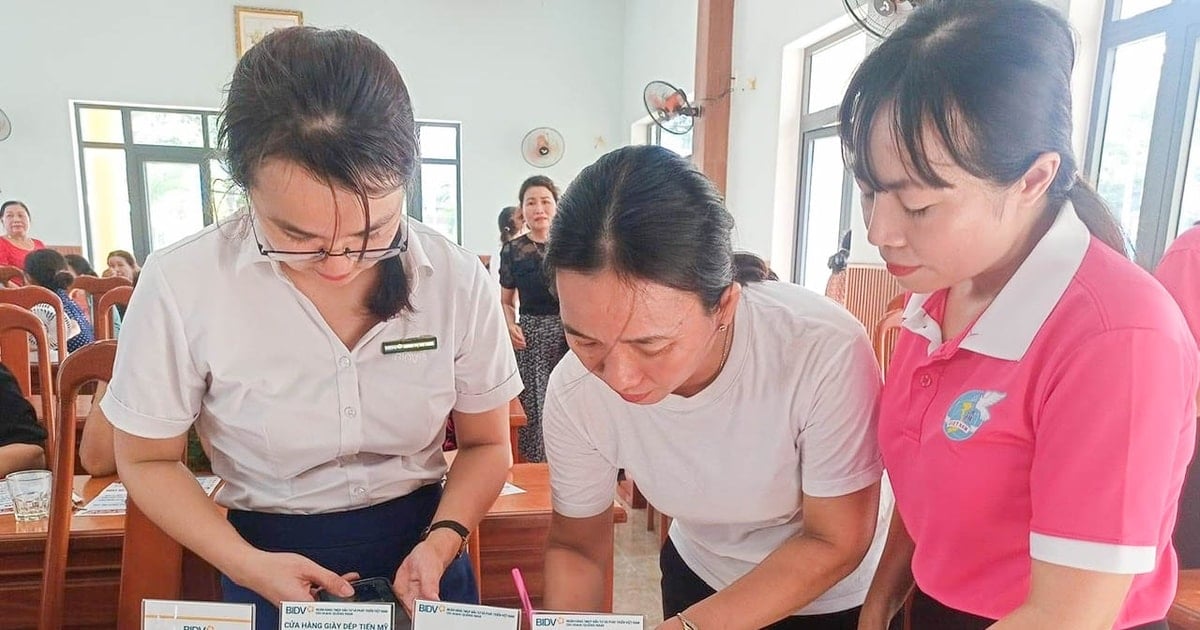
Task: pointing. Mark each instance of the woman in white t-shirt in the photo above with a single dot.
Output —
(744, 408)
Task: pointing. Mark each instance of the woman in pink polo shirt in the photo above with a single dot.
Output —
(1039, 411)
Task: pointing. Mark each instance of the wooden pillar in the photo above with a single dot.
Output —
(714, 79)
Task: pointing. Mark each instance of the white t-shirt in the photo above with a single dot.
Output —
(216, 334)
(793, 411)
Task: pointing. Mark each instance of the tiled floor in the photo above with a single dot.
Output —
(636, 579)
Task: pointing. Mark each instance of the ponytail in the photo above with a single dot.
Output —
(62, 281)
(748, 268)
(1093, 211)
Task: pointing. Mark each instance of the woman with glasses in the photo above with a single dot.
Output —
(319, 342)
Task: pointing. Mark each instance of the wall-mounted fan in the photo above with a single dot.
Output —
(669, 107)
(5, 126)
(543, 147)
(880, 17)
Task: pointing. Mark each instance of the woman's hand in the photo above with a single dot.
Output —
(290, 577)
(517, 335)
(420, 575)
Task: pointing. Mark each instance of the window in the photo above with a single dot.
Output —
(827, 196)
(436, 198)
(681, 143)
(1142, 153)
(151, 176)
(148, 176)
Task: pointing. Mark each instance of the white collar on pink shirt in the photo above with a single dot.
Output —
(414, 257)
(1007, 328)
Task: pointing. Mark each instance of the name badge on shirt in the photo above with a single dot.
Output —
(336, 615)
(161, 614)
(577, 620)
(412, 344)
(447, 616)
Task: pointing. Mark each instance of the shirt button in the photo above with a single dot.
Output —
(926, 380)
(350, 412)
(344, 362)
(360, 491)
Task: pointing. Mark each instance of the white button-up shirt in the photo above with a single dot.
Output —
(218, 336)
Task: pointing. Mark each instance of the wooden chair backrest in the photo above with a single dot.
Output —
(16, 325)
(93, 362)
(868, 290)
(27, 297)
(97, 287)
(104, 307)
(886, 332)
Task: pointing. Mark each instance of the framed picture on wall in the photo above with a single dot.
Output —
(252, 24)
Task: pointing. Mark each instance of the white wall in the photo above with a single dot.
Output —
(501, 68)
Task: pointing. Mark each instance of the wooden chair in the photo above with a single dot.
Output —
(105, 305)
(16, 325)
(516, 420)
(867, 291)
(8, 272)
(27, 298)
(97, 287)
(93, 362)
(886, 331)
(1185, 612)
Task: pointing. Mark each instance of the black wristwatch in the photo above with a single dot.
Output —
(456, 527)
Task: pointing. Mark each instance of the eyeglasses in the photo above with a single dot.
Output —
(375, 254)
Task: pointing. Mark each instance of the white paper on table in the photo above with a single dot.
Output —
(111, 500)
(447, 616)
(160, 614)
(583, 620)
(6, 502)
(510, 489)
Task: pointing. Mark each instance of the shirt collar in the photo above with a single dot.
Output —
(414, 258)
(1008, 326)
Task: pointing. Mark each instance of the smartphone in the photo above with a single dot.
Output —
(374, 590)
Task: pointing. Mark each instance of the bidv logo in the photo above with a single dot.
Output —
(298, 610)
(544, 623)
(187, 627)
(431, 608)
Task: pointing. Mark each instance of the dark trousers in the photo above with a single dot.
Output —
(930, 614)
(371, 541)
(681, 587)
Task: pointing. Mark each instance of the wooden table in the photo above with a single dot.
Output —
(93, 570)
(1185, 614)
(513, 534)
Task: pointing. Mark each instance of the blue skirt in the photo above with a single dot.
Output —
(371, 542)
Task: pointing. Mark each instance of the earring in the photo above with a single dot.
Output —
(723, 327)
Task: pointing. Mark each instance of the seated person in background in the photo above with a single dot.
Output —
(21, 437)
(47, 268)
(122, 264)
(16, 243)
(1179, 272)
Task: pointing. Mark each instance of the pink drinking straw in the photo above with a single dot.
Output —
(526, 604)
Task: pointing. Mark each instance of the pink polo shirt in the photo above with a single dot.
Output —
(1057, 427)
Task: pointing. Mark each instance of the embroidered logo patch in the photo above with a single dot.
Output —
(968, 412)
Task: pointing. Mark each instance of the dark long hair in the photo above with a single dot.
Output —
(645, 212)
(992, 81)
(47, 268)
(507, 231)
(335, 104)
(81, 265)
